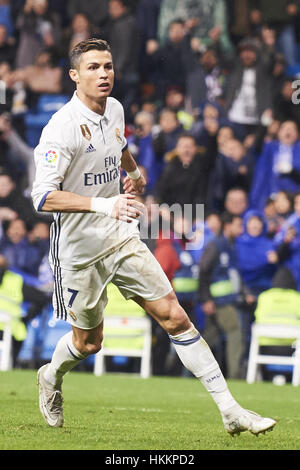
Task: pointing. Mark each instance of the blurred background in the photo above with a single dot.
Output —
(210, 97)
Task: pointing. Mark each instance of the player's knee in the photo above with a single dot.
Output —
(88, 347)
(178, 321)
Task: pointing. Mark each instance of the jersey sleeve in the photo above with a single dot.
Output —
(52, 157)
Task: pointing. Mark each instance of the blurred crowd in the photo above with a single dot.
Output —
(209, 89)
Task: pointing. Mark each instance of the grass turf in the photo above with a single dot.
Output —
(125, 412)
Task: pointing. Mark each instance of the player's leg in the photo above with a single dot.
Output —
(70, 350)
(197, 357)
(191, 348)
(82, 306)
(140, 277)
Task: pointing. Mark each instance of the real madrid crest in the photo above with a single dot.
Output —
(118, 136)
(85, 131)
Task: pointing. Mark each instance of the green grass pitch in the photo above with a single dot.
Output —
(125, 412)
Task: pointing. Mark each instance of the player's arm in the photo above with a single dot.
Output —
(65, 201)
(134, 183)
(53, 157)
(123, 206)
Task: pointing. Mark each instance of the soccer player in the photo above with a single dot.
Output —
(95, 239)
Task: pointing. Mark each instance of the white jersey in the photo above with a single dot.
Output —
(80, 152)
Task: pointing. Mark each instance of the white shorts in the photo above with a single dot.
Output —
(80, 296)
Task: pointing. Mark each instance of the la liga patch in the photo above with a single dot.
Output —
(50, 159)
(51, 156)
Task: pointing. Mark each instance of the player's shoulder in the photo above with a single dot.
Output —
(64, 116)
(63, 121)
(114, 105)
(61, 127)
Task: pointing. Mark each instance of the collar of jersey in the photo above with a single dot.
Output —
(87, 112)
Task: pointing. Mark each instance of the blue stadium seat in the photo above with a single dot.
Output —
(50, 333)
(293, 70)
(31, 346)
(36, 119)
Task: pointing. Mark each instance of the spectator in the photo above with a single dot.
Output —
(141, 147)
(278, 167)
(7, 50)
(171, 62)
(14, 243)
(208, 113)
(95, 10)
(239, 24)
(209, 68)
(37, 274)
(247, 93)
(10, 159)
(17, 150)
(256, 271)
(24, 250)
(168, 259)
(277, 210)
(225, 133)
(147, 19)
(284, 108)
(38, 29)
(281, 19)
(219, 288)
(278, 76)
(271, 218)
(283, 205)
(79, 30)
(234, 168)
(288, 247)
(165, 140)
(236, 202)
(202, 233)
(122, 34)
(12, 203)
(185, 178)
(24, 253)
(6, 19)
(206, 20)
(175, 100)
(11, 297)
(43, 76)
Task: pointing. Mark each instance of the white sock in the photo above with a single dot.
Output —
(65, 358)
(197, 357)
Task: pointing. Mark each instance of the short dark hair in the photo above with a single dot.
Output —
(85, 46)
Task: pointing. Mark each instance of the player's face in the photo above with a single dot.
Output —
(95, 75)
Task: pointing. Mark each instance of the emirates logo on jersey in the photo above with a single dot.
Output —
(85, 131)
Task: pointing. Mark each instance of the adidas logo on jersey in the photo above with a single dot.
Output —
(90, 149)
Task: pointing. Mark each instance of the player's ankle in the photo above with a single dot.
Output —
(52, 377)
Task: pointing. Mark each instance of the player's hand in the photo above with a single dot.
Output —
(131, 186)
(122, 207)
(127, 208)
